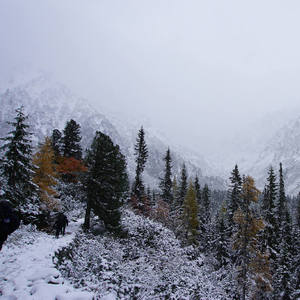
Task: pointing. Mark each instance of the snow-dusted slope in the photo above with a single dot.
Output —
(27, 271)
(50, 105)
(283, 147)
(148, 264)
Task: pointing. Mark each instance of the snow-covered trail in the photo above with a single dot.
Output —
(27, 271)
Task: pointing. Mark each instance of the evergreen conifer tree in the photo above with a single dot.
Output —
(282, 268)
(198, 190)
(270, 215)
(296, 253)
(177, 214)
(141, 153)
(221, 241)
(183, 184)
(16, 165)
(205, 219)
(166, 181)
(56, 142)
(298, 212)
(71, 140)
(283, 264)
(198, 198)
(206, 204)
(149, 194)
(153, 199)
(234, 198)
(282, 205)
(175, 195)
(107, 181)
(175, 207)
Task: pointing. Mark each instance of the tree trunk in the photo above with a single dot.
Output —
(87, 217)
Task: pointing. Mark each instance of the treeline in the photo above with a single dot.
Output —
(35, 183)
(250, 239)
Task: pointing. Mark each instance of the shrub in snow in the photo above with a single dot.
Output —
(71, 195)
(26, 234)
(148, 264)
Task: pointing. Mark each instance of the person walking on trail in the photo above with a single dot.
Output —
(60, 224)
(9, 221)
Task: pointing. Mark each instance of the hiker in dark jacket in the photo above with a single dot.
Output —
(9, 221)
(60, 224)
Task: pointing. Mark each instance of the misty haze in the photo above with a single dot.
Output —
(149, 150)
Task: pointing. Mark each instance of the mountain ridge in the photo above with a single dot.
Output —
(50, 105)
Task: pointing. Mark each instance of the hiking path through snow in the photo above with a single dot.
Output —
(27, 271)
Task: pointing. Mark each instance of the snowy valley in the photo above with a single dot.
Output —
(149, 150)
(173, 233)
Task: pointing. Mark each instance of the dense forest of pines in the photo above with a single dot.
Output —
(250, 237)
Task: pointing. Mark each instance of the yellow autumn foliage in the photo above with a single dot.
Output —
(45, 175)
(255, 265)
(190, 214)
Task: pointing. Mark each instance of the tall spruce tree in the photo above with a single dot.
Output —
(282, 267)
(16, 165)
(166, 181)
(205, 215)
(296, 253)
(175, 207)
(149, 195)
(198, 190)
(153, 199)
(107, 181)
(270, 234)
(71, 140)
(175, 194)
(205, 219)
(298, 212)
(183, 185)
(56, 143)
(221, 243)
(141, 153)
(282, 209)
(234, 198)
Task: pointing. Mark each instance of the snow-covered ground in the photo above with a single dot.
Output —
(149, 263)
(27, 271)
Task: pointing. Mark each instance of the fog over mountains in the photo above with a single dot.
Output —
(274, 139)
(51, 104)
(283, 146)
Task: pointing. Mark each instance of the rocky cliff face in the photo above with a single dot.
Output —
(283, 147)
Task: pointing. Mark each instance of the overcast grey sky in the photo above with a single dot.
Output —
(195, 68)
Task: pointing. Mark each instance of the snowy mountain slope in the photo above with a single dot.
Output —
(283, 147)
(27, 271)
(50, 105)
